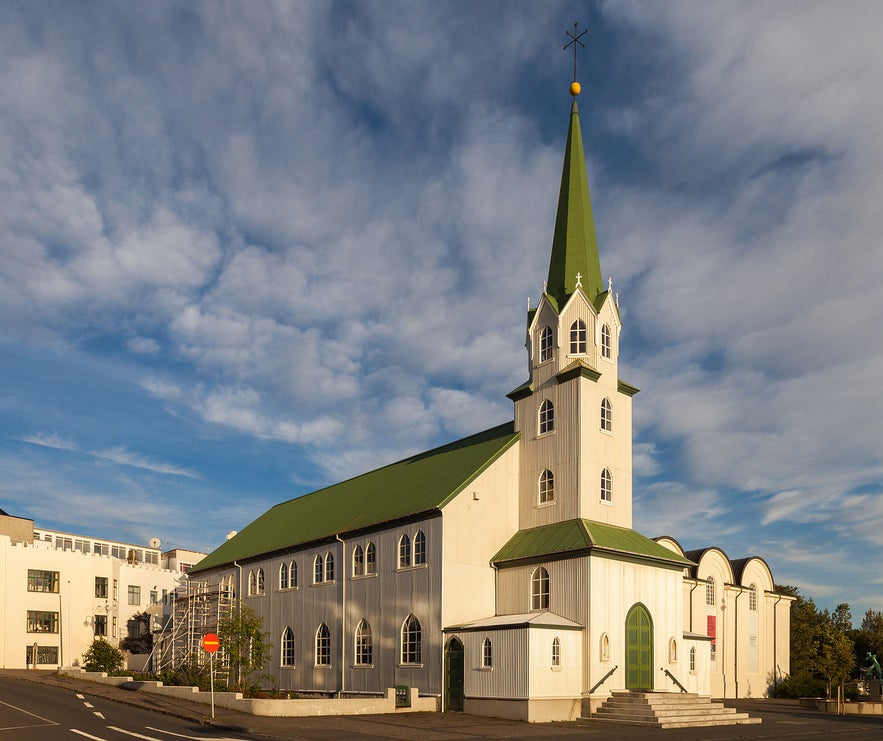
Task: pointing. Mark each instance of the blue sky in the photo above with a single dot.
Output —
(249, 249)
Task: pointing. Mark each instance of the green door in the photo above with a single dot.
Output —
(454, 676)
(639, 649)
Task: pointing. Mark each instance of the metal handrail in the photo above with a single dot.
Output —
(603, 679)
(673, 678)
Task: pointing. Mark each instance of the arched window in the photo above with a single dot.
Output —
(260, 589)
(292, 574)
(605, 342)
(364, 644)
(412, 638)
(709, 591)
(226, 586)
(546, 344)
(419, 548)
(547, 487)
(358, 561)
(606, 486)
(752, 598)
(693, 659)
(547, 417)
(252, 583)
(487, 654)
(578, 338)
(329, 566)
(287, 648)
(672, 651)
(323, 646)
(404, 552)
(605, 647)
(283, 576)
(556, 651)
(606, 416)
(539, 589)
(318, 570)
(370, 559)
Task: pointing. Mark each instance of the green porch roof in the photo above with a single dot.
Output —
(418, 484)
(582, 535)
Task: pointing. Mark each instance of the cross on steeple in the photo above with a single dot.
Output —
(575, 40)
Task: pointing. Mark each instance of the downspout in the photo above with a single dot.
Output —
(692, 589)
(775, 642)
(736, 640)
(238, 613)
(343, 570)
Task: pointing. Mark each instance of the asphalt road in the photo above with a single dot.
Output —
(38, 712)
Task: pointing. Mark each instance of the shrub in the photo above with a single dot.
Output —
(800, 685)
(102, 657)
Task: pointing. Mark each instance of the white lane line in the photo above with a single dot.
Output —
(132, 733)
(87, 735)
(26, 712)
(194, 738)
(98, 715)
(88, 704)
(79, 696)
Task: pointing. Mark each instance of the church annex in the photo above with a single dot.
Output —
(500, 573)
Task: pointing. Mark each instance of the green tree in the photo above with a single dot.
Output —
(806, 628)
(835, 659)
(102, 657)
(139, 639)
(243, 641)
(841, 618)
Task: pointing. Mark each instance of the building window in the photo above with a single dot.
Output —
(364, 644)
(605, 342)
(292, 574)
(547, 417)
(260, 589)
(606, 416)
(412, 637)
(672, 651)
(283, 576)
(709, 591)
(547, 487)
(42, 622)
(370, 559)
(556, 651)
(605, 647)
(578, 338)
(134, 594)
(539, 589)
(419, 548)
(546, 344)
(287, 648)
(693, 659)
(358, 561)
(42, 581)
(45, 655)
(329, 566)
(752, 598)
(318, 570)
(606, 486)
(252, 583)
(100, 625)
(487, 654)
(154, 596)
(323, 646)
(404, 551)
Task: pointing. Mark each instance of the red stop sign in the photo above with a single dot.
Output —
(211, 642)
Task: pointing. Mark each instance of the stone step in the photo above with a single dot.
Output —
(684, 722)
(668, 710)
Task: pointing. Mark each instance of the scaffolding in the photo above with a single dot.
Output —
(198, 609)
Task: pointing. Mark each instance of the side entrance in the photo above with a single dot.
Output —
(639, 649)
(454, 676)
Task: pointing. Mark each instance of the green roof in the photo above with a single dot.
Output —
(416, 485)
(582, 535)
(574, 245)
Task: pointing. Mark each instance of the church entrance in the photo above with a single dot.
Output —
(454, 676)
(639, 649)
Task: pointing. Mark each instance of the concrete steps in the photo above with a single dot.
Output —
(668, 710)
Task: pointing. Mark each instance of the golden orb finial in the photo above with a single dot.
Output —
(575, 88)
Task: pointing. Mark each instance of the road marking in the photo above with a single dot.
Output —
(194, 738)
(132, 733)
(88, 704)
(79, 696)
(99, 715)
(26, 712)
(87, 735)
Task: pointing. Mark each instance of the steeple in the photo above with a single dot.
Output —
(574, 246)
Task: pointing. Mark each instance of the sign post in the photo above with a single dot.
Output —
(210, 644)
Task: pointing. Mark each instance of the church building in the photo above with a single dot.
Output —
(500, 573)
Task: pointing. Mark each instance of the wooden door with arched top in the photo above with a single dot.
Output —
(454, 675)
(639, 649)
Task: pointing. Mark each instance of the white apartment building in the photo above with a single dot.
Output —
(59, 591)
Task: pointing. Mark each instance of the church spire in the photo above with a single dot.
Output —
(574, 246)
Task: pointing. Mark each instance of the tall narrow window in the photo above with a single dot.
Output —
(605, 342)
(547, 417)
(318, 570)
(546, 344)
(329, 566)
(260, 581)
(709, 591)
(283, 576)
(252, 583)
(370, 559)
(556, 651)
(419, 548)
(404, 552)
(412, 638)
(323, 646)
(752, 598)
(693, 659)
(606, 416)
(539, 589)
(358, 561)
(578, 338)
(606, 486)
(487, 654)
(292, 574)
(364, 650)
(547, 486)
(287, 648)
